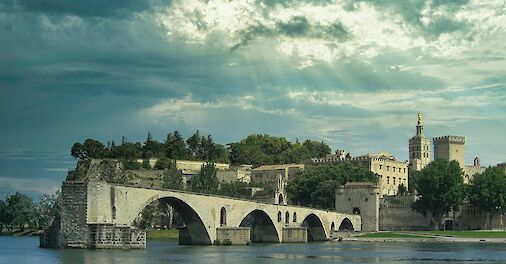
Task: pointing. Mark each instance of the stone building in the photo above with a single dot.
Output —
(360, 198)
(391, 172)
(450, 148)
(420, 149)
(502, 166)
(268, 174)
(471, 170)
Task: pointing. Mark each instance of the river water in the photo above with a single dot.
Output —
(20, 250)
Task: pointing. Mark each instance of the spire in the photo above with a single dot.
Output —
(419, 126)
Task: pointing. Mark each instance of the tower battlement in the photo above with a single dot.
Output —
(450, 139)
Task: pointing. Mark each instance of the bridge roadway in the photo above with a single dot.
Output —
(100, 215)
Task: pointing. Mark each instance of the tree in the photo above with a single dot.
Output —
(172, 177)
(315, 185)
(21, 209)
(152, 148)
(4, 218)
(233, 189)
(264, 149)
(89, 149)
(205, 181)
(175, 146)
(440, 186)
(47, 209)
(488, 192)
(401, 190)
(193, 143)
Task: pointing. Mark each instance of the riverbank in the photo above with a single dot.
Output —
(431, 237)
(17, 232)
(171, 234)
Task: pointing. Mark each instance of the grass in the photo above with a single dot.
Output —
(390, 235)
(163, 234)
(465, 234)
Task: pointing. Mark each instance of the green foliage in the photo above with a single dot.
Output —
(205, 181)
(172, 177)
(48, 208)
(131, 165)
(488, 191)
(402, 190)
(4, 215)
(175, 146)
(315, 186)
(440, 187)
(152, 148)
(145, 164)
(126, 151)
(233, 189)
(20, 211)
(89, 149)
(265, 149)
(163, 163)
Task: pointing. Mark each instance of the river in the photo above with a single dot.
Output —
(21, 250)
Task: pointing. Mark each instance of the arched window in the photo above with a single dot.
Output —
(280, 200)
(356, 211)
(223, 216)
(294, 217)
(279, 216)
(332, 226)
(287, 218)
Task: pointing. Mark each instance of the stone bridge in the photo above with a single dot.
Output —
(100, 215)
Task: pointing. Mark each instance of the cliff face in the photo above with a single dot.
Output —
(98, 170)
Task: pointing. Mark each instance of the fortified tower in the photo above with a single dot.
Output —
(420, 153)
(450, 148)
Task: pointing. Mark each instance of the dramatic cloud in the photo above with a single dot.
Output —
(352, 73)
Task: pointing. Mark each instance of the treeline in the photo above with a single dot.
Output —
(175, 147)
(264, 149)
(254, 149)
(441, 189)
(20, 211)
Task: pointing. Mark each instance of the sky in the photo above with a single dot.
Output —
(353, 74)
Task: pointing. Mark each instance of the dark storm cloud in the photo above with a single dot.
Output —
(89, 8)
(296, 27)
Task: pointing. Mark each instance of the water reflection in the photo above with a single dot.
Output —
(26, 250)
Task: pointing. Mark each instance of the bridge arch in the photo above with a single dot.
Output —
(315, 229)
(194, 232)
(346, 225)
(262, 228)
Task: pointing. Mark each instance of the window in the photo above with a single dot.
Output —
(223, 216)
(381, 166)
(287, 218)
(388, 168)
(394, 180)
(388, 180)
(394, 169)
(294, 217)
(279, 216)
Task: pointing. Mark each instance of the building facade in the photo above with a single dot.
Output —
(450, 148)
(391, 172)
(269, 174)
(420, 149)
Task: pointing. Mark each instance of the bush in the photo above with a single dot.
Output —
(131, 165)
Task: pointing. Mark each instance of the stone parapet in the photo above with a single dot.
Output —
(450, 139)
